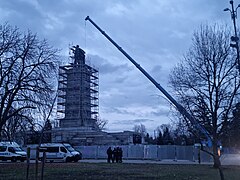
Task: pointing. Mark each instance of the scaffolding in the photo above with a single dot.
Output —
(78, 89)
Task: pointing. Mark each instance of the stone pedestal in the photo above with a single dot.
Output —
(83, 136)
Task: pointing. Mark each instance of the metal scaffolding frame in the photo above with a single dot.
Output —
(78, 96)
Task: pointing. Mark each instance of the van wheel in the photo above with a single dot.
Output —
(14, 159)
(75, 160)
(68, 159)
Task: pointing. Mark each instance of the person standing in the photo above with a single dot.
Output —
(114, 157)
(117, 155)
(109, 154)
(120, 154)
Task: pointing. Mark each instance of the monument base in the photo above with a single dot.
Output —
(88, 136)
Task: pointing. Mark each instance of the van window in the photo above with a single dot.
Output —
(53, 149)
(3, 148)
(41, 149)
(63, 149)
(49, 149)
(69, 148)
(11, 149)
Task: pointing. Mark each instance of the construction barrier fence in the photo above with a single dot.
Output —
(150, 152)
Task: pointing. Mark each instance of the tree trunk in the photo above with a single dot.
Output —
(1, 131)
(217, 162)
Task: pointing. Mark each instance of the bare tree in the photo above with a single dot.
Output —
(27, 72)
(206, 82)
(101, 123)
(16, 126)
(140, 133)
(165, 131)
(141, 129)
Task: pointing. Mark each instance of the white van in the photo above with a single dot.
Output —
(59, 152)
(12, 151)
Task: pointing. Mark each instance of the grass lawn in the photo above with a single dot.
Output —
(58, 171)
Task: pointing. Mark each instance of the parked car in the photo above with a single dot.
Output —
(59, 152)
(12, 151)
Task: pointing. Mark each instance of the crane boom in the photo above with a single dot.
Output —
(179, 107)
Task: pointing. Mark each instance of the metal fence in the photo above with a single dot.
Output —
(151, 152)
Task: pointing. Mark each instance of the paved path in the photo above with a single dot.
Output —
(231, 159)
(143, 161)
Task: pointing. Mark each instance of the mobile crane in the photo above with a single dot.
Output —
(178, 106)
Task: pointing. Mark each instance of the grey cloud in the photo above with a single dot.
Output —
(118, 111)
(128, 109)
(106, 67)
(110, 68)
(156, 69)
(132, 121)
(161, 113)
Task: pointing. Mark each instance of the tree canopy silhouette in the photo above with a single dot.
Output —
(27, 71)
(206, 82)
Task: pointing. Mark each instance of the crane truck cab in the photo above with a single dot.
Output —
(12, 151)
(59, 152)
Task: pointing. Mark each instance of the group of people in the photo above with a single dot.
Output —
(114, 155)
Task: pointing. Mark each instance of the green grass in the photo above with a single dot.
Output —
(58, 171)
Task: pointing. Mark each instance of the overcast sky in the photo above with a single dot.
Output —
(156, 33)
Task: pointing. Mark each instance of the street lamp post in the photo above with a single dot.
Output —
(234, 38)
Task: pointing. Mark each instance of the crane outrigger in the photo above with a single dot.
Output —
(178, 106)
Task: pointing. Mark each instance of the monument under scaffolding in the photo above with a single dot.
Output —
(77, 104)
